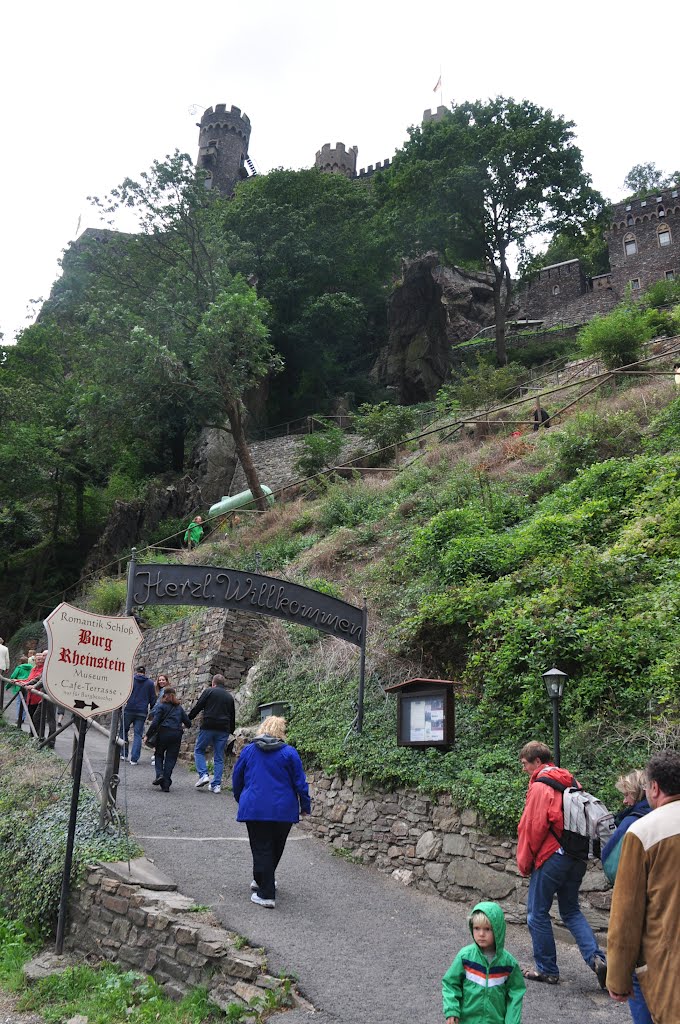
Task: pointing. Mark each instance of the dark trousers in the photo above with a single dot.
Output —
(167, 752)
(48, 721)
(267, 843)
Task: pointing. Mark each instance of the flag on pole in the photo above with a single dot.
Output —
(438, 85)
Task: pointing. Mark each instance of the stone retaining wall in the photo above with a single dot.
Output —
(422, 841)
(133, 916)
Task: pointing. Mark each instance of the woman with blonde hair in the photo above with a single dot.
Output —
(632, 787)
(270, 787)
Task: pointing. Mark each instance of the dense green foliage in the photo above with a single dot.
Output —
(384, 424)
(617, 338)
(319, 450)
(577, 565)
(486, 177)
(35, 793)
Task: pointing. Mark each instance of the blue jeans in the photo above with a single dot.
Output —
(638, 1006)
(137, 720)
(218, 741)
(560, 876)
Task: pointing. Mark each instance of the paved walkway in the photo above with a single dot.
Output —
(365, 949)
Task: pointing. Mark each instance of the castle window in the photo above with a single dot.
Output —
(663, 233)
(674, 193)
(643, 203)
(208, 180)
(635, 284)
(556, 289)
(629, 220)
(670, 275)
(661, 211)
(630, 245)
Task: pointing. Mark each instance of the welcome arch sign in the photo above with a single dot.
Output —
(254, 593)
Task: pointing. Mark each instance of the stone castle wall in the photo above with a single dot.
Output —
(422, 841)
(132, 915)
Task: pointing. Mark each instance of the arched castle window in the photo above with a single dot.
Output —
(661, 211)
(208, 180)
(556, 289)
(629, 244)
(663, 234)
(630, 220)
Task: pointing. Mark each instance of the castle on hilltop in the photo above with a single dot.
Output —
(643, 236)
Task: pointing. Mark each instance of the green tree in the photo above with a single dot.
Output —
(587, 244)
(234, 353)
(643, 179)
(487, 178)
(384, 424)
(314, 247)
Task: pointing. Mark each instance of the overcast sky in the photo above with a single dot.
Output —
(94, 92)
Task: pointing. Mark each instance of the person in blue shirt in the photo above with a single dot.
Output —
(632, 786)
(139, 703)
(271, 789)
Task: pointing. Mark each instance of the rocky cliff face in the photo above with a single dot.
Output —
(432, 309)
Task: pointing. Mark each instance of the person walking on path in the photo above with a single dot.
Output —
(553, 873)
(161, 682)
(484, 984)
(139, 703)
(194, 532)
(217, 724)
(169, 718)
(636, 806)
(643, 932)
(271, 790)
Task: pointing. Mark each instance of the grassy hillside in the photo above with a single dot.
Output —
(489, 565)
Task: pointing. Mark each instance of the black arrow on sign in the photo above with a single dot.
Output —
(81, 704)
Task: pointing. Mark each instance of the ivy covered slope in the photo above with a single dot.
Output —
(35, 794)
(490, 566)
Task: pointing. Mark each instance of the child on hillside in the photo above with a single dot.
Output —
(484, 984)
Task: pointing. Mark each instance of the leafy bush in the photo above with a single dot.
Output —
(34, 812)
(616, 338)
(319, 450)
(481, 387)
(664, 432)
(661, 293)
(384, 424)
(105, 596)
(351, 505)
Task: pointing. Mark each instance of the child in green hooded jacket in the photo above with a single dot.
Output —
(484, 984)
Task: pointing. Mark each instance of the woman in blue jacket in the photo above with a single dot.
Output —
(633, 789)
(271, 790)
(169, 718)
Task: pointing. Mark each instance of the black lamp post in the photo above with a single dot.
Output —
(554, 683)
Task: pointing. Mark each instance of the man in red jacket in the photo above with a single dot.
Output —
(552, 871)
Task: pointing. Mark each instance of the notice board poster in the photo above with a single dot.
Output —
(425, 719)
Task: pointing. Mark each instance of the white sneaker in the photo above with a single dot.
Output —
(134, 762)
(203, 780)
(215, 789)
(269, 904)
(153, 759)
(254, 886)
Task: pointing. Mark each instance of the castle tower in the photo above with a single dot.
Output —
(223, 147)
(338, 160)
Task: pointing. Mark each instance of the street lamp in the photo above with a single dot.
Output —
(554, 683)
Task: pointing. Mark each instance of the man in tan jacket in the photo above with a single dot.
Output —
(643, 926)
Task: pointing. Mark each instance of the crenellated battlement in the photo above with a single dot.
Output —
(223, 147)
(337, 159)
(436, 116)
(221, 114)
(367, 172)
